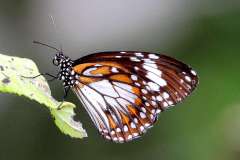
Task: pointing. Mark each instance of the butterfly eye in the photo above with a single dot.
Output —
(55, 61)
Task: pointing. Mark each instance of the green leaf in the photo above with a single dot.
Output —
(13, 71)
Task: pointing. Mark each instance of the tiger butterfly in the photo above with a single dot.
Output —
(124, 91)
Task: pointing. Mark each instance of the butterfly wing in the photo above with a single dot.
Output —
(124, 92)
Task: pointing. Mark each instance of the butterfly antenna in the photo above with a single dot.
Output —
(43, 44)
(61, 48)
(55, 28)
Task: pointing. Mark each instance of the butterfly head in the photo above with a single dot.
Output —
(58, 59)
(61, 60)
(66, 73)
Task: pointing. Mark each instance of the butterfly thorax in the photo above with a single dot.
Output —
(66, 72)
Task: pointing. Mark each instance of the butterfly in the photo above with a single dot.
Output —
(124, 91)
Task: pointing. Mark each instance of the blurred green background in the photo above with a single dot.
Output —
(204, 34)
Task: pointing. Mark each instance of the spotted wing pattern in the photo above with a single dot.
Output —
(124, 92)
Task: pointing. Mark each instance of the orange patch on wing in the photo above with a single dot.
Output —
(124, 117)
(114, 64)
(132, 110)
(122, 78)
(79, 68)
(138, 101)
(87, 80)
(136, 90)
(111, 121)
(101, 70)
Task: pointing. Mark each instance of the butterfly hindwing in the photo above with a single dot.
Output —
(123, 92)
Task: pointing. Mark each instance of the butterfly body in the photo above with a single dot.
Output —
(124, 91)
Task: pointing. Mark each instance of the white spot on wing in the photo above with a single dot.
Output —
(88, 72)
(97, 65)
(135, 120)
(151, 69)
(153, 98)
(151, 116)
(137, 84)
(143, 109)
(112, 132)
(159, 98)
(153, 56)
(165, 104)
(152, 65)
(146, 124)
(153, 111)
(170, 102)
(135, 59)
(124, 86)
(104, 87)
(114, 70)
(153, 86)
(142, 115)
(138, 54)
(134, 77)
(158, 111)
(188, 78)
(181, 81)
(135, 134)
(194, 72)
(148, 88)
(126, 95)
(136, 68)
(125, 128)
(146, 60)
(133, 125)
(118, 130)
(120, 139)
(158, 80)
(144, 91)
(129, 137)
(141, 128)
(153, 103)
(165, 95)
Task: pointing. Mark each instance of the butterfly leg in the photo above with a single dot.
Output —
(66, 90)
(44, 74)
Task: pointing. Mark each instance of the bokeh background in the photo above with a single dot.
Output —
(204, 34)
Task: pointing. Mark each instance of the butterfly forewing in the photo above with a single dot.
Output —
(123, 92)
